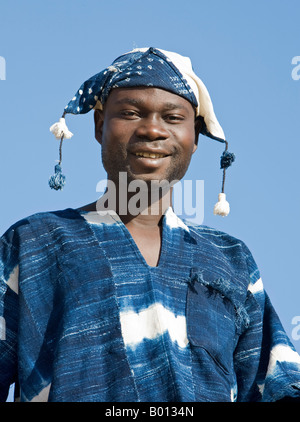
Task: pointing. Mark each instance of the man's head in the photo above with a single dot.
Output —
(148, 67)
(141, 92)
(149, 133)
(170, 76)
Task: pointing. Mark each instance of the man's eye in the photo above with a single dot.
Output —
(174, 118)
(129, 114)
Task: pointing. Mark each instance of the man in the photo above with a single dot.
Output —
(102, 304)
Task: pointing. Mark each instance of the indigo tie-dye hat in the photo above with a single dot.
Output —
(146, 67)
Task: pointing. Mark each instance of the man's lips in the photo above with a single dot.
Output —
(154, 155)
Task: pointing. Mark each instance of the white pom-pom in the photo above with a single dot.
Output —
(222, 206)
(60, 128)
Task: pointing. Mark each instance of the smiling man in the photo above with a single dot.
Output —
(101, 305)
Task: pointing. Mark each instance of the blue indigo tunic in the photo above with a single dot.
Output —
(83, 317)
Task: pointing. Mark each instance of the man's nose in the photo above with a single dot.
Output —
(152, 129)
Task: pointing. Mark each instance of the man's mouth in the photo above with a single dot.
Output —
(150, 155)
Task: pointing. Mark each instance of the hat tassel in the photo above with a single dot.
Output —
(60, 131)
(222, 207)
(57, 180)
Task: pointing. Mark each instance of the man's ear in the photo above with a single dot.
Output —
(98, 119)
(199, 122)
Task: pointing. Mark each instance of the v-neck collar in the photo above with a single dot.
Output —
(137, 251)
(169, 221)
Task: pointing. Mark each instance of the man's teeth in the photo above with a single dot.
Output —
(149, 155)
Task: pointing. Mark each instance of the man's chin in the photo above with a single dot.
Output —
(130, 179)
(150, 181)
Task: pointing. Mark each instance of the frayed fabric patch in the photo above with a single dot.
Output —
(227, 289)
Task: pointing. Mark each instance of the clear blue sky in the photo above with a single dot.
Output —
(242, 50)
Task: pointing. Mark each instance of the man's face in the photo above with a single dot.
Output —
(148, 133)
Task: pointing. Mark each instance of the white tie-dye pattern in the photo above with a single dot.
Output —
(13, 280)
(173, 221)
(43, 395)
(2, 328)
(152, 322)
(282, 353)
(256, 287)
(261, 388)
(101, 217)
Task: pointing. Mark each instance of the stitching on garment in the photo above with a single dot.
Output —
(226, 289)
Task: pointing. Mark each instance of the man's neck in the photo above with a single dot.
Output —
(143, 224)
(138, 209)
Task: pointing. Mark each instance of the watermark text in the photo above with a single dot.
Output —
(296, 69)
(2, 69)
(296, 329)
(139, 197)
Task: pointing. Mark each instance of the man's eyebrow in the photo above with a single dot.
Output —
(174, 106)
(131, 101)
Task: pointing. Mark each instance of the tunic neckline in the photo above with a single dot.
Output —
(99, 217)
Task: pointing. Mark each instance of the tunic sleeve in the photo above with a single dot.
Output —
(9, 270)
(266, 363)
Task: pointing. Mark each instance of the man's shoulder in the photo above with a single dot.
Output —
(225, 247)
(213, 235)
(222, 255)
(41, 221)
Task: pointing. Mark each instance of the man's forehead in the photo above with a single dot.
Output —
(146, 96)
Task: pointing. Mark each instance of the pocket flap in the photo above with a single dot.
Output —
(211, 322)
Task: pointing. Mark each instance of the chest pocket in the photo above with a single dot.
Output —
(211, 322)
